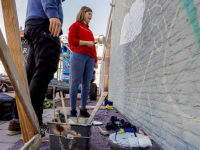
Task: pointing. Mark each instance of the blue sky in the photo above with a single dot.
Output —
(101, 9)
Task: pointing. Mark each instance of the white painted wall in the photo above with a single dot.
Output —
(155, 75)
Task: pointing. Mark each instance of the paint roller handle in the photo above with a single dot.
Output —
(57, 118)
(100, 129)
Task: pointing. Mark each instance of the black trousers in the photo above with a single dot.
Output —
(42, 61)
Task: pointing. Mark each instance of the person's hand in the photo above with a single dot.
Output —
(96, 66)
(90, 43)
(55, 26)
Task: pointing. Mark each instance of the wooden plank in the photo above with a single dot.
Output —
(89, 121)
(17, 83)
(64, 111)
(107, 60)
(92, 107)
(14, 44)
(63, 106)
(33, 144)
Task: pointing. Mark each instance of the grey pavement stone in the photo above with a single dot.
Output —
(4, 126)
(47, 119)
(2, 122)
(4, 138)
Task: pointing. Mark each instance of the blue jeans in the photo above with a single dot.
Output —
(82, 67)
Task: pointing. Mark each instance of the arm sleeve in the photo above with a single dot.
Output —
(72, 36)
(50, 8)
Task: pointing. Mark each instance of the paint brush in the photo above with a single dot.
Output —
(104, 133)
(74, 134)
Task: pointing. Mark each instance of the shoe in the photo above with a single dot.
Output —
(44, 127)
(44, 131)
(84, 113)
(73, 113)
(47, 105)
(13, 128)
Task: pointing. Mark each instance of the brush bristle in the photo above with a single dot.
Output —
(105, 133)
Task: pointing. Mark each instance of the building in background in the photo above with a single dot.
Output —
(24, 50)
(99, 49)
(64, 38)
(105, 61)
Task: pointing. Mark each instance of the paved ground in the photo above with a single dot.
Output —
(8, 141)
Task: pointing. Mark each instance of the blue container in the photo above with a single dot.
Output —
(107, 102)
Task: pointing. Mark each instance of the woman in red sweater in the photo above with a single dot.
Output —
(83, 59)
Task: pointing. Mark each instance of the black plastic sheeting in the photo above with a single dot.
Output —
(5, 98)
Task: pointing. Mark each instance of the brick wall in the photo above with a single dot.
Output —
(155, 68)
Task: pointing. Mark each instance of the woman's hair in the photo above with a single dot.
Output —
(81, 15)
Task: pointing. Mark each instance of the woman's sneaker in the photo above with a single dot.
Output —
(73, 113)
(84, 113)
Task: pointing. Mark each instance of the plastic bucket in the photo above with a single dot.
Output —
(62, 141)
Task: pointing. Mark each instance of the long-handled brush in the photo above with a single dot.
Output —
(104, 133)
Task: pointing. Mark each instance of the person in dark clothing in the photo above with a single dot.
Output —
(42, 29)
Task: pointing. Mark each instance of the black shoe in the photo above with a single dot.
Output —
(84, 113)
(73, 113)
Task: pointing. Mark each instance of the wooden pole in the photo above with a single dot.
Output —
(17, 83)
(98, 105)
(14, 44)
(63, 106)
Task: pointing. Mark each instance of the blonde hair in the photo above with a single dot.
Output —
(81, 15)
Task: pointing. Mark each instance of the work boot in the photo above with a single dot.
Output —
(13, 128)
(84, 113)
(73, 113)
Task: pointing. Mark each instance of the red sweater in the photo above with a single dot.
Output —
(79, 31)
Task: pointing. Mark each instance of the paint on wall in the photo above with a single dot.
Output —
(132, 25)
(193, 17)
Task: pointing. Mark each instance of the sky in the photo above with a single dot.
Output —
(98, 24)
